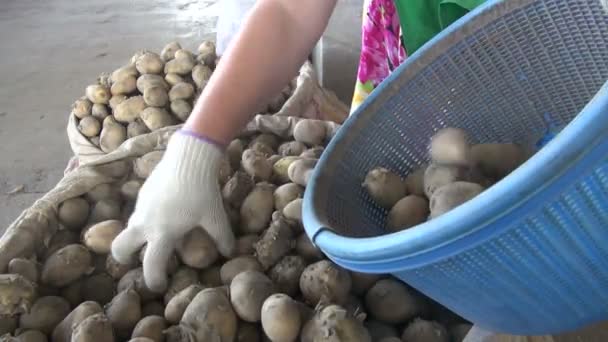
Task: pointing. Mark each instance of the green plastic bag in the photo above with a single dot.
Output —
(421, 20)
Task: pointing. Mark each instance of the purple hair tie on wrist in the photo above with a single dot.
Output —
(201, 138)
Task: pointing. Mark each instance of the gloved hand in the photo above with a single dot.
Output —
(181, 193)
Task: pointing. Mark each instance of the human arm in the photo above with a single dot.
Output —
(274, 42)
(182, 192)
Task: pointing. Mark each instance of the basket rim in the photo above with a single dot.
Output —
(440, 238)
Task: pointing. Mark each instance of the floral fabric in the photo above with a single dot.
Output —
(382, 47)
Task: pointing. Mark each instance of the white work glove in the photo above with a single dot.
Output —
(181, 193)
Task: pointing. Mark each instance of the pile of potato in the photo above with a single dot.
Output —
(276, 287)
(151, 92)
(458, 172)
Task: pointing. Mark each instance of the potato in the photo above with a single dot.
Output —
(98, 238)
(301, 170)
(262, 148)
(116, 100)
(248, 291)
(129, 109)
(107, 209)
(72, 293)
(268, 139)
(313, 153)
(225, 170)
(181, 279)
(181, 64)
(156, 118)
(45, 314)
(124, 311)
(384, 186)
(112, 135)
(459, 331)
(181, 91)
(173, 79)
(275, 242)
(153, 308)
(137, 127)
(206, 52)
(450, 146)
(234, 150)
(307, 249)
(66, 265)
(103, 191)
(124, 86)
(210, 311)
(73, 213)
(248, 332)
(280, 169)
(31, 336)
(100, 111)
(336, 323)
(63, 331)
(291, 148)
(414, 182)
(144, 165)
(82, 108)
(89, 126)
(130, 189)
(168, 52)
(149, 63)
(237, 188)
(380, 331)
(237, 265)
(421, 330)
(497, 160)
(181, 109)
(197, 249)
(325, 281)
(280, 318)
(286, 274)
(257, 208)
(256, 165)
(98, 94)
(134, 279)
(287, 193)
(98, 288)
(177, 305)
(245, 245)
(59, 240)
(125, 71)
(17, 294)
(201, 75)
(24, 267)
(210, 277)
(151, 327)
(437, 176)
(361, 282)
(150, 80)
(156, 96)
(407, 212)
(452, 195)
(95, 328)
(8, 324)
(310, 132)
(293, 211)
(391, 301)
(355, 307)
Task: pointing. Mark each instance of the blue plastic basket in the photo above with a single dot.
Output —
(530, 254)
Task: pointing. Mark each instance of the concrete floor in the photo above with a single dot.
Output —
(53, 49)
